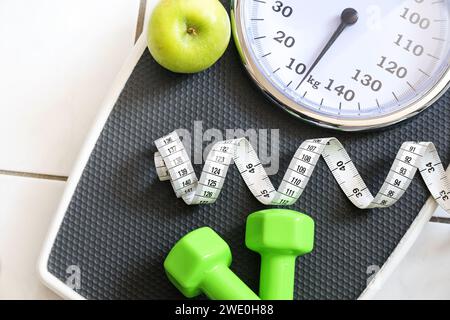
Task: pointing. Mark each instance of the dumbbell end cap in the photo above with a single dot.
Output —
(280, 231)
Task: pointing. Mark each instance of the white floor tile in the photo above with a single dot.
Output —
(26, 210)
(58, 59)
(440, 213)
(424, 273)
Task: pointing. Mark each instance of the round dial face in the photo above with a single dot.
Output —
(350, 59)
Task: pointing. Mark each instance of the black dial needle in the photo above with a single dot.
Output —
(348, 18)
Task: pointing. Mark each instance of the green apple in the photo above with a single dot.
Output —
(188, 36)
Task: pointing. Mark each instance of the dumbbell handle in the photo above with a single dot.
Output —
(277, 277)
(222, 284)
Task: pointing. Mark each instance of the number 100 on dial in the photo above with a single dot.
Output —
(351, 65)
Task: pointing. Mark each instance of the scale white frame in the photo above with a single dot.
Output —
(66, 292)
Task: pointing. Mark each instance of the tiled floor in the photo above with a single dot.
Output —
(27, 208)
(58, 60)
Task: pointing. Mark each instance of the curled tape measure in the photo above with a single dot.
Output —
(173, 164)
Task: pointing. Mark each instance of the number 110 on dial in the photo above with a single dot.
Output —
(351, 65)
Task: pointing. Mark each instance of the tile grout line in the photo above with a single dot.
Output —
(33, 175)
(440, 220)
(140, 20)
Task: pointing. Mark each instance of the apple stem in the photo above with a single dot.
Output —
(192, 31)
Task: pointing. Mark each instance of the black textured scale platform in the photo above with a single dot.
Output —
(122, 221)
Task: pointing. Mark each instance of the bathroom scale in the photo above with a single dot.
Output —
(117, 221)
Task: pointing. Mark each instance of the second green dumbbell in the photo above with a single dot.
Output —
(279, 236)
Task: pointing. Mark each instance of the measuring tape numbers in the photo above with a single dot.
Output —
(173, 164)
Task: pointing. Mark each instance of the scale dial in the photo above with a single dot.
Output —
(351, 64)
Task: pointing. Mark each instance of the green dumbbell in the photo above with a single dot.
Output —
(279, 236)
(199, 262)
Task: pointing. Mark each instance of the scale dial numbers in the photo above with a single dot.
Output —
(381, 68)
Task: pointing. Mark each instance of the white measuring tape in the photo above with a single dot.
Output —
(172, 163)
